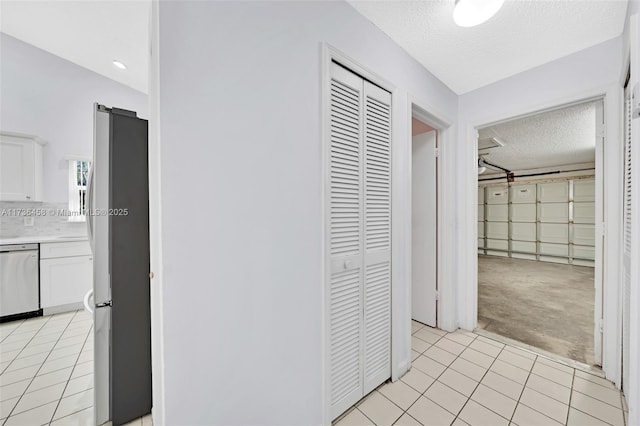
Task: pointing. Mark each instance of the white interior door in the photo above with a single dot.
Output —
(358, 238)
(423, 225)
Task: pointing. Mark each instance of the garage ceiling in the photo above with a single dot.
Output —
(522, 35)
(555, 138)
(90, 33)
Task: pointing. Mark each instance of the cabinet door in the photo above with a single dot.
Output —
(65, 280)
(17, 169)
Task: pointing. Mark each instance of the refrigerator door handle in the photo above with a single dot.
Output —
(87, 305)
(88, 215)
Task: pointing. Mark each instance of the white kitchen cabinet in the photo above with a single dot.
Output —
(20, 167)
(64, 280)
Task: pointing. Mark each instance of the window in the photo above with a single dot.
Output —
(78, 177)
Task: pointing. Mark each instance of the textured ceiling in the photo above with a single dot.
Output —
(555, 138)
(522, 35)
(90, 33)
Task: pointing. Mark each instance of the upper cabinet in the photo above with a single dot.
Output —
(20, 167)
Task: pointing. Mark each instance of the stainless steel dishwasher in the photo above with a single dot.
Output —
(19, 283)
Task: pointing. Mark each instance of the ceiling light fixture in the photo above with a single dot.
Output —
(119, 64)
(469, 13)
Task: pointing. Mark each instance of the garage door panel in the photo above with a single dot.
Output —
(498, 245)
(481, 212)
(497, 194)
(583, 235)
(497, 212)
(523, 194)
(553, 212)
(480, 229)
(554, 192)
(552, 250)
(523, 212)
(553, 233)
(497, 230)
(519, 248)
(583, 252)
(523, 231)
(481, 195)
(584, 190)
(584, 213)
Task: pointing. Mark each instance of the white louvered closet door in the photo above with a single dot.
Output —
(358, 238)
(626, 252)
(377, 236)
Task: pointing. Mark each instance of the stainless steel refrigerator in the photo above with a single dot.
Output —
(118, 227)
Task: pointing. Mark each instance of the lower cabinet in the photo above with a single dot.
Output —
(65, 280)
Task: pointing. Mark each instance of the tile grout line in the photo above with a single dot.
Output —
(439, 375)
(70, 375)
(524, 386)
(573, 379)
(36, 375)
(26, 344)
(478, 385)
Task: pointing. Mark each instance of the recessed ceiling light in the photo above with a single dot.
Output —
(469, 13)
(119, 64)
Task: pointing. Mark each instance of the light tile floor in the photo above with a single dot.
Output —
(46, 371)
(462, 379)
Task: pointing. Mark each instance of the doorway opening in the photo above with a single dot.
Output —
(424, 220)
(538, 200)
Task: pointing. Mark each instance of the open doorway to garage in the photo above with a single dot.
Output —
(536, 230)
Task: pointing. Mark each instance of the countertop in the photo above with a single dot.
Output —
(43, 239)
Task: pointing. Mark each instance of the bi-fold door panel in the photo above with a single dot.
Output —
(523, 212)
(553, 233)
(359, 238)
(583, 235)
(497, 212)
(584, 190)
(584, 213)
(497, 194)
(497, 230)
(377, 232)
(345, 241)
(523, 194)
(553, 192)
(553, 212)
(523, 231)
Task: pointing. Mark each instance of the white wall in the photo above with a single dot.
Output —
(50, 97)
(240, 124)
(590, 72)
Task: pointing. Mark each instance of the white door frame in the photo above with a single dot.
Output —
(445, 303)
(608, 223)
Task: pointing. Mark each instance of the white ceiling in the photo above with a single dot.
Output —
(555, 138)
(90, 33)
(521, 36)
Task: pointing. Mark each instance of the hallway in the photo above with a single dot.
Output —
(464, 379)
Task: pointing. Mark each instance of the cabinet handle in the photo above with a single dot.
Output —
(28, 197)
